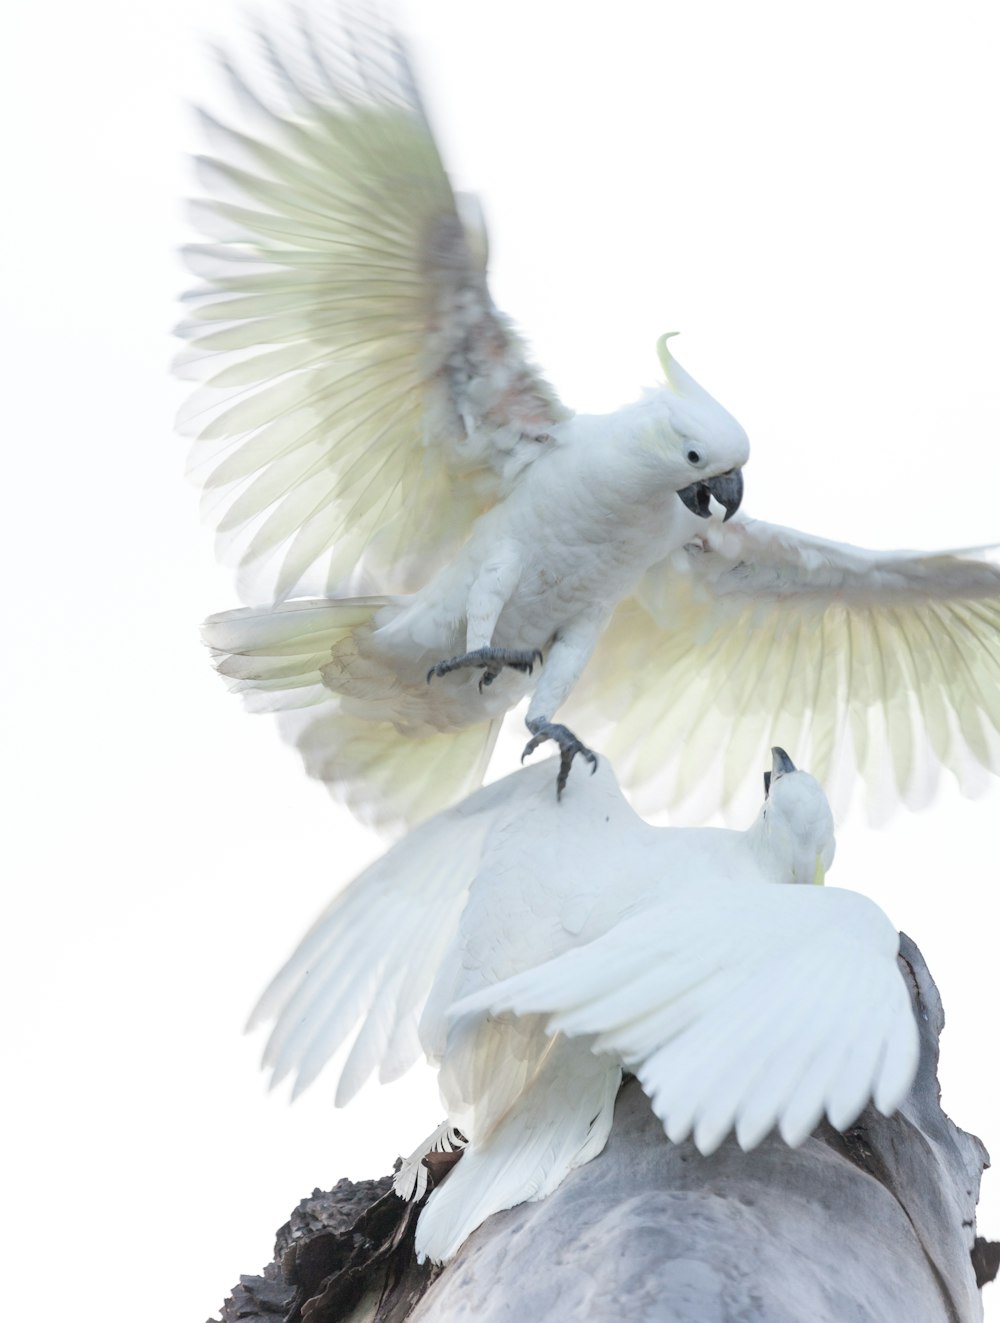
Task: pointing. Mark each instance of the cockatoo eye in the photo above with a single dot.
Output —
(693, 456)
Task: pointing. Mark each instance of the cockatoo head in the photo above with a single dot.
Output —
(795, 828)
(708, 446)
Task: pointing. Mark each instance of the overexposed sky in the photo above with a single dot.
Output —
(808, 195)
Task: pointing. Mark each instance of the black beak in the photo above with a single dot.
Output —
(780, 762)
(727, 489)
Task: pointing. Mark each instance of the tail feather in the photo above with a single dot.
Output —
(306, 660)
(560, 1121)
(289, 629)
(276, 656)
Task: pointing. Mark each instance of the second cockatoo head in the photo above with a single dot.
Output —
(795, 825)
(707, 446)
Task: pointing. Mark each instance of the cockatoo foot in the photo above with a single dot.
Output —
(569, 747)
(492, 661)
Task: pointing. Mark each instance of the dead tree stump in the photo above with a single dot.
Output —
(873, 1226)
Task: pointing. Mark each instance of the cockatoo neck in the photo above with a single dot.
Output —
(636, 448)
(630, 456)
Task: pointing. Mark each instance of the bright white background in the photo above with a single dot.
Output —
(808, 193)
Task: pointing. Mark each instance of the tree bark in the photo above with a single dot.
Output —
(877, 1224)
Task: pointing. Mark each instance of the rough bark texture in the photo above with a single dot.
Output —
(874, 1225)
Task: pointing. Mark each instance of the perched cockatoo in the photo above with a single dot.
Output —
(532, 949)
(369, 422)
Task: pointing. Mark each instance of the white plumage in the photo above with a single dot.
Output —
(532, 948)
(369, 422)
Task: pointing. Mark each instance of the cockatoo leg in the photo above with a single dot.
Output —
(569, 747)
(488, 595)
(570, 651)
(492, 661)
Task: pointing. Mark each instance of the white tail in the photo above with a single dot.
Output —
(561, 1120)
(302, 660)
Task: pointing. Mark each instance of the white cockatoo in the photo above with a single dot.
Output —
(533, 949)
(369, 422)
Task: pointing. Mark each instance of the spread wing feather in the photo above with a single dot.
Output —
(883, 665)
(362, 399)
(352, 976)
(791, 1007)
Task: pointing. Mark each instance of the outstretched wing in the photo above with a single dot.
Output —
(738, 1006)
(363, 400)
(883, 664)
(367, 965)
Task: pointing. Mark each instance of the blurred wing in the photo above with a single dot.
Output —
(738, 1006)
(363, 400)
(369, 961)
(883, 664)
(279, 658)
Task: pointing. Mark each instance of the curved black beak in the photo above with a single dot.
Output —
(780, 764)
(727, 489)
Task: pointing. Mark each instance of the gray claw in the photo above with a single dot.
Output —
(569, 747)
(492, 660)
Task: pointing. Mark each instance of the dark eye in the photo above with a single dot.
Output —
(693, 457)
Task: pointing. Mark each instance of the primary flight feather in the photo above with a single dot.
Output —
(531, 949)
(369, 422)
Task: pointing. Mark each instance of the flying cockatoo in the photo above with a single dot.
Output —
(369, 423)
(531, 950)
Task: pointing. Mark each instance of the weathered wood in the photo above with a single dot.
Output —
(875, 1225)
